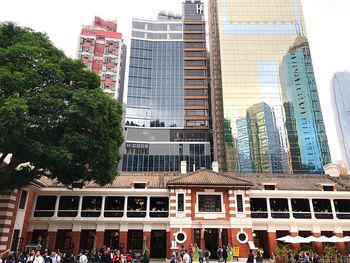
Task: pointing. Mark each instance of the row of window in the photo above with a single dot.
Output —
(91, 206)
(300, 208)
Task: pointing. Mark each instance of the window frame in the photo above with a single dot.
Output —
(184, 202)
(210, 193)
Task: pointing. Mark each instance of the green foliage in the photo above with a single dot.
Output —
(145, 257)
(331, 252)
(53, 115)
(282, 252)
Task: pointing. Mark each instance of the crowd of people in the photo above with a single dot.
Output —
(105, 255)
(195, 254)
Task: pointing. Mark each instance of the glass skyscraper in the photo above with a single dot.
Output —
(248, 41)
(340, 90)
(306, 133)
(167, 113)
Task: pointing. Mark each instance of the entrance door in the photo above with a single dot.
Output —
(211, 239)
(158, 244)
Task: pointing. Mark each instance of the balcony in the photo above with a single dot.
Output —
(302, 215)
(323, 215)
(279, 214)
(259, 214)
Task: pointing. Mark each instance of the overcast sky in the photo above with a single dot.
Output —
(327, 23)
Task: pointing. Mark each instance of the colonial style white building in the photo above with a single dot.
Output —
(161, 211)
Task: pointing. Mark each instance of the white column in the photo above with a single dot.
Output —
(333, 208)
(103, 207)
(290, 208)
(125, 206)
(80, 206)
(312, 209)
(56, 206)
(268, 208)
(148, 206)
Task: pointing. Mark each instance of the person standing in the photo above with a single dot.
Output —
(207, 255)
(38, 258)
(83, 258)
(224, 254)
(186, 258)
(250, 258)
(200, 255)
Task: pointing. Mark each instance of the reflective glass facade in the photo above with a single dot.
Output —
(167, 112)
(155, 94)
(306, 133)
(340, 91)
(248, 41)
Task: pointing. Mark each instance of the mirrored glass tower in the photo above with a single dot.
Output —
(340, 90)
(248, 41)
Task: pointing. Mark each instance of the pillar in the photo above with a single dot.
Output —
(220, 238)
(296, 247)
(123, 241)
(168, 244)
(29, 238)
(341, 245)
(75, 242)
(202, 244)
(147, 237)
(99, 240)
(52, 240)
(318, 246)
(272, 243)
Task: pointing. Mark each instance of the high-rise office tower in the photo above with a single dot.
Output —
(167, 114)
(248, 40)
(340, 90)
(102, 50)
(307, 139)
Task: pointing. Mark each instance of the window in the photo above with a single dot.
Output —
(139, 185)
(209, 203)
(194, 44)
(45, 206)
(159, 207)
(196, 92)
(328, 187)
(195, 82)
(180, 202)
(195, 123)
(68, 206)
(270, 187)
(194, 27)
(196, 112)
(114, 206)
(196, 102)
(23, 200)
(137, 206)
(15, 239)
(135, 239)
(91, 206)
(195, 54)
(239, 200)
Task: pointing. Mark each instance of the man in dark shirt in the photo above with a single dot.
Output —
(250, 258)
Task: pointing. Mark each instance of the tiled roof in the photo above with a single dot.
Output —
(208, 177)
(302, 182)
(159, 180)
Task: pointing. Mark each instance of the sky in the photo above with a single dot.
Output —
(327, 24)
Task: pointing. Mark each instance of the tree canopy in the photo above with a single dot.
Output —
(54, 118)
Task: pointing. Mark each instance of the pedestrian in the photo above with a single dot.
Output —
(250, 258)
(38, 258)
(207, 255)
(219, 254)
(200, 255)
(83, 258)
(186, 257)
(224, 254)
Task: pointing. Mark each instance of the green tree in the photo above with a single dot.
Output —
(54, 118)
